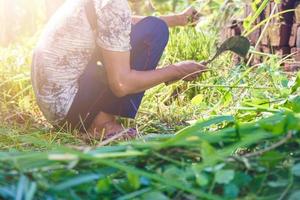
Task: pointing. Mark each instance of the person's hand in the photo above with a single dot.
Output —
(190, 16)
(190, 70)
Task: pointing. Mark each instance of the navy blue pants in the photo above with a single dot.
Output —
(149, 38)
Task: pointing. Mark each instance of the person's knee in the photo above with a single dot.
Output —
(159, 28)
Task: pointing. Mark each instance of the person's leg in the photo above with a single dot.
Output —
(92, 87)
(95, 103)
(149, 38)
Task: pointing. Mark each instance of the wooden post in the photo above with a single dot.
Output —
(279, 34)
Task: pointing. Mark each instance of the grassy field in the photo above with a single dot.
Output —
(237, 135)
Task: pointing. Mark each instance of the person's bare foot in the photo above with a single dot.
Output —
(105, 126)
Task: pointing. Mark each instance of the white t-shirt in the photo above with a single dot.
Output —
(66, 46)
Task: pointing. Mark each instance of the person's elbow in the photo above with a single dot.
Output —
(120, 88)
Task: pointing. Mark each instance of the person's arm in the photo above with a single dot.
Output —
(124, 81)
(190, 15)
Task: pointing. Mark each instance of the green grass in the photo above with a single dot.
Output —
(237, 135)
(237, 109)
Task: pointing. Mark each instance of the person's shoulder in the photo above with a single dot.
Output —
(115, 3)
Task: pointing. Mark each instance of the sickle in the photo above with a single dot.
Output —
(237, 44)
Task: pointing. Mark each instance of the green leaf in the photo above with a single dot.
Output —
(278, 183)
(227, 99)
(207, 150)
(173, 172)
(31, 191)
(76, 181)
(103, 185)
(296, 84)
(134, 180)
(295, 195)
(293, 122)
(241, 179)
(224, 176)
(201, 179)
(154, 195)
(198, 99)
(271, 159)
(275, 124)
(285, 82)
(296, 169)
(170, 182)
(294, 103)
(196, 129)
(23, 181)
(258, 10)
(231, 191)
(7, 193)
(134, 195)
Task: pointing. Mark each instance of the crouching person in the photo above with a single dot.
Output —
(90, 68)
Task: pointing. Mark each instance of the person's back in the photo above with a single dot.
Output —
(66, 47)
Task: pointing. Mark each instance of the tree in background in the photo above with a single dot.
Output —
(52, 6)
(141, 7)
(22, 17)
(7, 21)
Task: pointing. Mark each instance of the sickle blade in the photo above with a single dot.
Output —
(238, 44)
